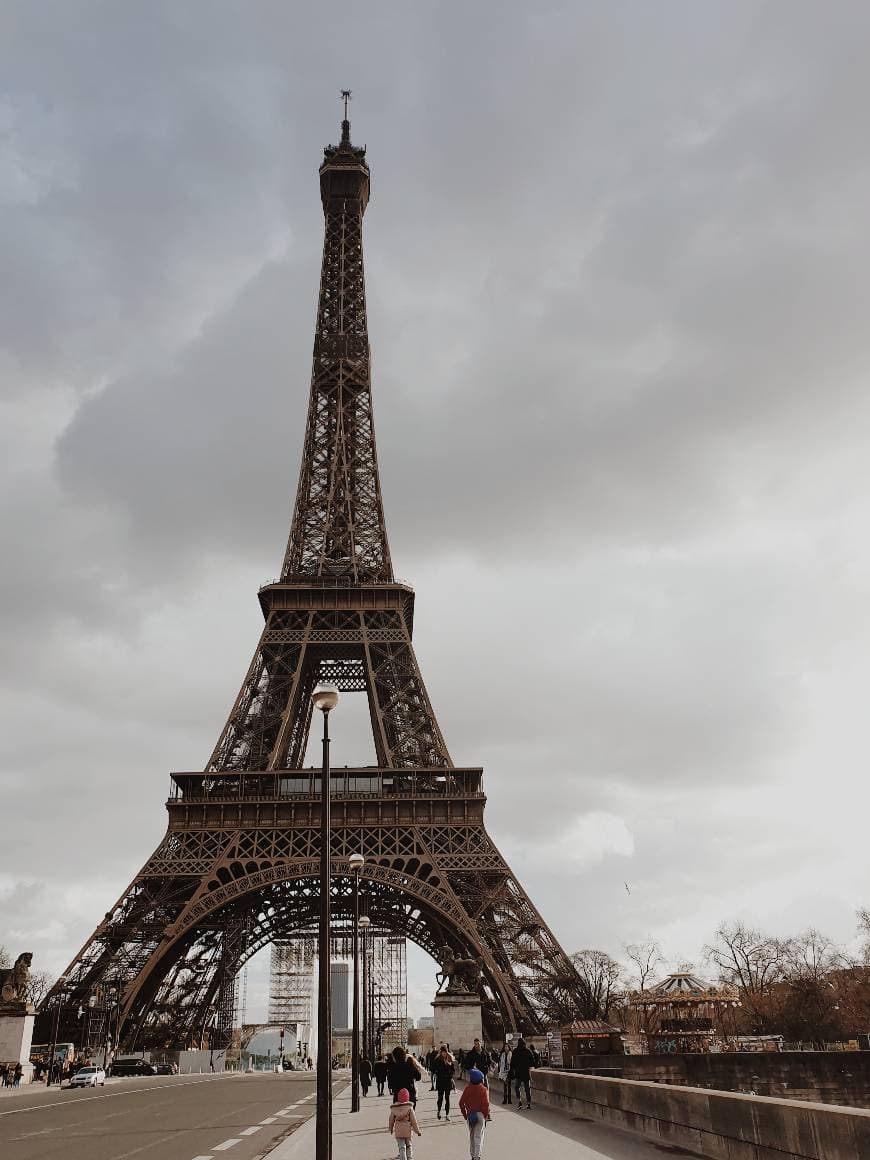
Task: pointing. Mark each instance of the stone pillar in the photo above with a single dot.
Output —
(16, 1036)
(457, 1019)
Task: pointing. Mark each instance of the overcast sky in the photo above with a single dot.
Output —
(618, 267)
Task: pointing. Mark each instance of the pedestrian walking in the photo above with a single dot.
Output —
(474, 1105)
(443, 1071)
(403, 1071)
(477, 1057)
(523, 1061)
(16, 1075)
(365, 1074)
(380, 1073)
(403, 1122)
(505, 1072)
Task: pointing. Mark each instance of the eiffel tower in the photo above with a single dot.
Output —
(238, 867)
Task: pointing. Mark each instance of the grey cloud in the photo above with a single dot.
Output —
(617, 270)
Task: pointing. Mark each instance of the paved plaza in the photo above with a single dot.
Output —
(538, 1134)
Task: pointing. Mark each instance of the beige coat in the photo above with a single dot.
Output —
(403, 1121)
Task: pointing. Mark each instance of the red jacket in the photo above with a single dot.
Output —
(474, 1098)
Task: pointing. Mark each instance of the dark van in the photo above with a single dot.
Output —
(132, 1067)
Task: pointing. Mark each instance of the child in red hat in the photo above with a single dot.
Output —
(402, 1123)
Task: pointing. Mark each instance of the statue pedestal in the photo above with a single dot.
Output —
(16, 1036)
(457, 1019)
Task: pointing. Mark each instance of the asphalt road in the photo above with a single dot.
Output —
(159, 1118)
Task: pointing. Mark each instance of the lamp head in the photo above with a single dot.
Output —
(356, 862)
(365, 922)
(325, 697)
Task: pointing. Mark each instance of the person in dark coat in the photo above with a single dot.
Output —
(365, 1074)
(477, 1057)
(380, 1073)
(523, 1061)
(403, 1071)
(442, 1071)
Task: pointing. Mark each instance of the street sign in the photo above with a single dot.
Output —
(554, 1048)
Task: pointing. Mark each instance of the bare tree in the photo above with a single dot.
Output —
(811, 956)
(599, 978)
(753, 963)
(813, 969)
(645, 958)
(5, 958)
(864, 932)
(38, 986)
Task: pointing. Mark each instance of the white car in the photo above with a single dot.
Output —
(88, 1077)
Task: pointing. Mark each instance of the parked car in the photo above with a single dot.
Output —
(133, 1067)
(167, 1068)
(88, 1077)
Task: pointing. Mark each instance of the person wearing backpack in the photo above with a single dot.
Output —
(474, 1105)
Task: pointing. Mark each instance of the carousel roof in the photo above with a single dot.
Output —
(681, 983)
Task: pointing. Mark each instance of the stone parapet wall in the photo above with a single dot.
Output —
(827, 1077)
(715, 1124)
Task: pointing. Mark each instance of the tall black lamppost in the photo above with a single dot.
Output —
(364, 924)
(377, 996)
(324, 698)
(356, 861)
(61, 995)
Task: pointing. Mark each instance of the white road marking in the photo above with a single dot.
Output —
(203, 1158)
(226, 1144)
(155, 1087)
(270, 1120)
(249, 1131)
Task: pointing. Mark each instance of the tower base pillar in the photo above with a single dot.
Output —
(16, 1036)
(458, 1020)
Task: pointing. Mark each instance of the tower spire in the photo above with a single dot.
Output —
(338, 522)
(345, 124)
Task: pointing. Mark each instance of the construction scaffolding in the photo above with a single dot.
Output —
(387, 1000)
(293, 985)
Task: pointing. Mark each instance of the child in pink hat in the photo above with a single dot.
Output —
(402, 1123)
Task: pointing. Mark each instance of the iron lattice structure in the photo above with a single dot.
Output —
(238, 867)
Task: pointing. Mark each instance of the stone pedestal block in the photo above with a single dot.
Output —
(458, 1020)
(16, 1036)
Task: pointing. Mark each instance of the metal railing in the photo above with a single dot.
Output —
(304, 785)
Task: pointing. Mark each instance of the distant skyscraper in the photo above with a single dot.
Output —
(339, 975)
(426, 1021)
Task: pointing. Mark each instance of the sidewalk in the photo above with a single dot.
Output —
(512, 1135)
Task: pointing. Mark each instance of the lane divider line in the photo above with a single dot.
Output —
(226, 1144)
(269, 1120)
(250, 1131)
(155, 1087)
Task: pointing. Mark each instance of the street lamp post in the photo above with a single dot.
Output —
(324, 698)
(356, 861)
(364, 924)
(378, 995)
(55, 1027)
